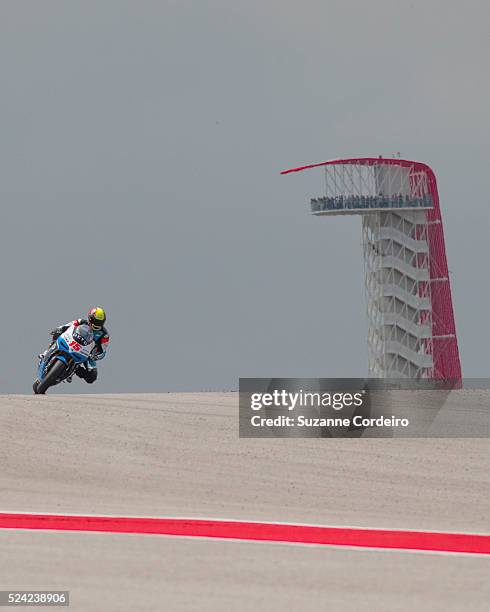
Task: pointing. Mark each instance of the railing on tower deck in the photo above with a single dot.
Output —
(369, 203)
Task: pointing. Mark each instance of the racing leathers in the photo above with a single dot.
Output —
(87, 371)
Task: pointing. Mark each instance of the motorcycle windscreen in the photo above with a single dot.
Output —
(83, 335)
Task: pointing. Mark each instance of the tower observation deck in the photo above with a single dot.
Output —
(411, 330)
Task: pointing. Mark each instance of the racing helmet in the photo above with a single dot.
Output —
(96, 318)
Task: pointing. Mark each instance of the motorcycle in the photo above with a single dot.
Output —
(69, 351)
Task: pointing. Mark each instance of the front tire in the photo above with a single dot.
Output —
(54, 374)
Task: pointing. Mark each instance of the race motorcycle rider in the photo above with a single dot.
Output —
(96, 319)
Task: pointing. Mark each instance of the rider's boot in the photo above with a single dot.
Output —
(68, 379)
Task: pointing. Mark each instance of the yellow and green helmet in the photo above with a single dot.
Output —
(96, 318)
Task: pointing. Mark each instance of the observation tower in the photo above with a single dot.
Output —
(411, 330)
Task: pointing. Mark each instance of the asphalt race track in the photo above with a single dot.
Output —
(179, 455)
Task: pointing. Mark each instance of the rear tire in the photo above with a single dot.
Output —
(55, 373)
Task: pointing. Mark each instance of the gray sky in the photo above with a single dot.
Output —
(140, 150)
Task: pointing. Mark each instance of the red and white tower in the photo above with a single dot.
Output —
(411, 330)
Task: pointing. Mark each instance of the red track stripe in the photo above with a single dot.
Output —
(271, 532)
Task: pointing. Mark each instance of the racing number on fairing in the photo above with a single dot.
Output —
(75, 346)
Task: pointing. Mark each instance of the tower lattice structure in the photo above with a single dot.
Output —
(411, 329)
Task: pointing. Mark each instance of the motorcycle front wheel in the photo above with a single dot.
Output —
(54, 374)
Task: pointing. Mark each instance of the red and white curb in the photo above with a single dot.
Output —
(343, 537)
